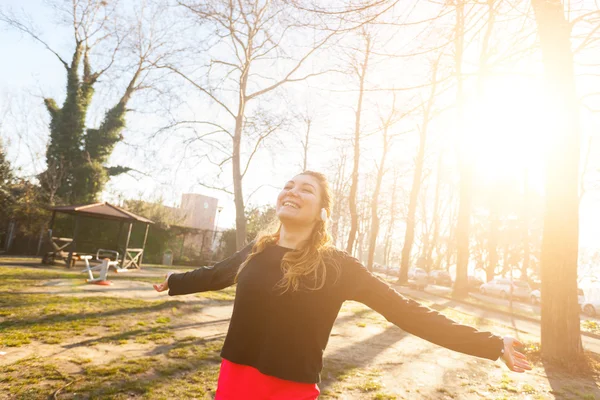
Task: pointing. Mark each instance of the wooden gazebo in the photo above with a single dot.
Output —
(66, 248)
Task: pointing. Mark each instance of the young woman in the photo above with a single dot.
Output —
(290, 287)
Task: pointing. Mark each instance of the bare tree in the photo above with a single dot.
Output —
(417, 177)
(360, 69)
(386, 138)
(307, 119)
(245, 36)
(437, 213)
(392, 219)
(339, 185)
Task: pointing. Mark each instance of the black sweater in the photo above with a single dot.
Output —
(285, 335)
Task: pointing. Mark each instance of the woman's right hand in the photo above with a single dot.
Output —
(161, 287)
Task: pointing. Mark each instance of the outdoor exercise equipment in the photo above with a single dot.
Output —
(105, 264)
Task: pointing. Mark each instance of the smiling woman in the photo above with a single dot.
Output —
(291, 285)
(506, 131)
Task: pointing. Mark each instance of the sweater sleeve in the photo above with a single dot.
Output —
(415, 318)
(203, 279)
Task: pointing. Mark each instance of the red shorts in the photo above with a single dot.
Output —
(241, 382)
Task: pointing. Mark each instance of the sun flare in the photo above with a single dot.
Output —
(505, 129)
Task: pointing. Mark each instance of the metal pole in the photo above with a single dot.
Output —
(126, 245)
(73, 243)
(144, 244)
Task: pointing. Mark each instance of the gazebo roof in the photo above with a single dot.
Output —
(102, 211)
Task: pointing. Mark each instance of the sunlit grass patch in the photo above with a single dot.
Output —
(31, 378)
(14, 278)
(445, 392)
(370, 385)
(192, 374)
(121, 367)
(590, 326)
(62, 317)
(340, 378)
(80, 360)
(227, 294)
(384, 396)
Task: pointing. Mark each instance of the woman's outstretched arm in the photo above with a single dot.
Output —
(426, 323)
(203, 279)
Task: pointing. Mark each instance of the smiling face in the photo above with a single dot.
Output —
(299, 202)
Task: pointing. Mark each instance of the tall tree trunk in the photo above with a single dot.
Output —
(436, 217)
(525, 227)
(466, 171)
(390, 227)
(240, 210)
(305, 144)
(354, 186)
(409, 234)
(492, 260)
(375, 201)
(337, 205)
(561, 337)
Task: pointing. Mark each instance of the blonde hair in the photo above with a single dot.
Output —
(308, 261)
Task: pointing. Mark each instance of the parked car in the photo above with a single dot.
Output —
(536, 298)
(418, 278)
(589, 307)
(440, 277)
(474, 283)
(504, 288)
(378, 268)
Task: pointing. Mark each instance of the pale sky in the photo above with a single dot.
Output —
(30, 73)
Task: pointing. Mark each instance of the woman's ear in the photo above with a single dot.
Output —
(323, 214)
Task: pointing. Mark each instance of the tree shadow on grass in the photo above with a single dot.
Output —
(36, 321)
(142, 332)
(574, 381)
(191, 375)
(363, 352)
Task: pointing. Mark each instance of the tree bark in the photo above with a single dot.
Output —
(337, 205)
(375, 201)
(435, 235)
(525, 220)
(354, 186)
(409, 235)
(240, 210)
(390, 227)
(561, 337)
(466, 171)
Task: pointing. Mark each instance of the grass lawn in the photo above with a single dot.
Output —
(66, 346)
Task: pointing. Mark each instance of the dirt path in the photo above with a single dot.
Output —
(367, 357)
(519, 325)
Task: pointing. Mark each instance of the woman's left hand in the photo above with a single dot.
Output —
(514, 360)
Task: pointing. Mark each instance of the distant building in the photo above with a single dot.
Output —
(197, 218)
(199, 211)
